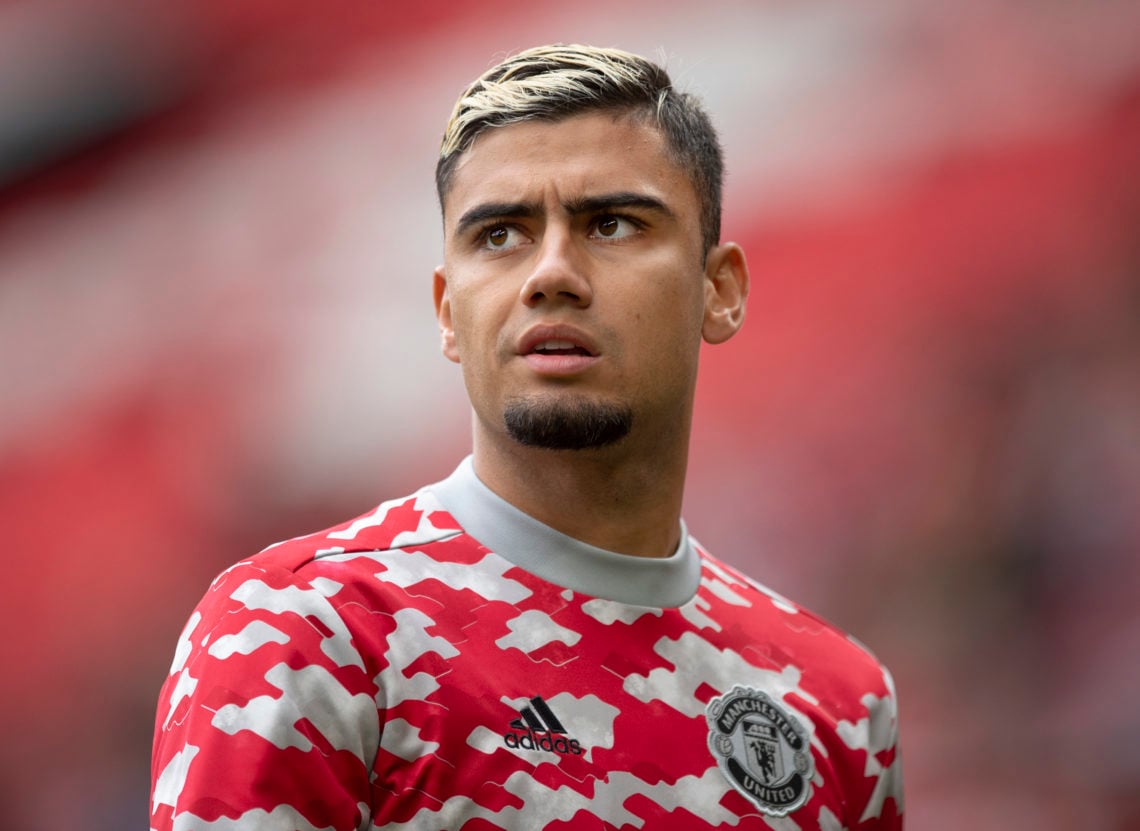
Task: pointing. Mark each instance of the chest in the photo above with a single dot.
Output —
(559, 709)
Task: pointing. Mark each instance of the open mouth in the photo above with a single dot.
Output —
(560, 347)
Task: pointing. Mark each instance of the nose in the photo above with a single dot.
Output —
(559, 273)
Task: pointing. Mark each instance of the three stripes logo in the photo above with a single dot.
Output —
(537, 728)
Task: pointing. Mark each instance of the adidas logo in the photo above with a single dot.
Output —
(537, 728)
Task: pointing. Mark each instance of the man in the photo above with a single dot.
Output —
(536, 642)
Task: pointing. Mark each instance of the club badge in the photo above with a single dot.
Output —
(761, 749)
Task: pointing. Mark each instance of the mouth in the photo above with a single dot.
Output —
(560, 347)
(554, 340)
(557, 350)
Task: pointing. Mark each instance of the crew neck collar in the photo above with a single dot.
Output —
(658, 582)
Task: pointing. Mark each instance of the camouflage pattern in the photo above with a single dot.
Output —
(392, 672)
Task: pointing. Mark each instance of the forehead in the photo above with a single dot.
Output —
(570, 158)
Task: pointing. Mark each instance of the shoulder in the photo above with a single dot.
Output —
(303, 597)
(835, 661)
(842, 690)
(415, 520)
(305, 578)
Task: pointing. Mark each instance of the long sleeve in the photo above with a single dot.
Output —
(878, 737)
(268, 717)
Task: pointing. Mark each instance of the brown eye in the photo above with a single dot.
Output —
(613, 227)
(500, 237)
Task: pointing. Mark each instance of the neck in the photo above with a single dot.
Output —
(620, 498)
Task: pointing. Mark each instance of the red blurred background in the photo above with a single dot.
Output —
(217, 226)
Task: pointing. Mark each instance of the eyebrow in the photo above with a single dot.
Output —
(621, 199)
(494, 210)
(589, 204)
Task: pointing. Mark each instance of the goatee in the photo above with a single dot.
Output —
(560, 424)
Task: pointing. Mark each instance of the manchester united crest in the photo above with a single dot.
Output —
(762, 749)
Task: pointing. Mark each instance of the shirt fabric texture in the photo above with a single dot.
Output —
(448, 662)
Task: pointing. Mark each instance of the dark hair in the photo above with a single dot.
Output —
(554, 82)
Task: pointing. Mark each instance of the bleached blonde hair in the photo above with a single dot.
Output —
(549, 83)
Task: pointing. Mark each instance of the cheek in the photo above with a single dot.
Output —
(464, 312)
(478, 325)
(667, 334)
(678, 310)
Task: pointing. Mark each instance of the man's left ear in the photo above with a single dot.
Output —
(726, 292)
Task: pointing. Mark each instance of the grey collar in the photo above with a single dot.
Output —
(529, 544)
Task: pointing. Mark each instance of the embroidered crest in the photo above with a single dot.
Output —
(761, 749)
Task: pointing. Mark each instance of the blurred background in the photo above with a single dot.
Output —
(217, 226)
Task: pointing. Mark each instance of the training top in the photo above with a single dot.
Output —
(448, 662)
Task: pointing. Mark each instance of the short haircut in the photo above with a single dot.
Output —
(549, 83)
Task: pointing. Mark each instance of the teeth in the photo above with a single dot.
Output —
(548, 345)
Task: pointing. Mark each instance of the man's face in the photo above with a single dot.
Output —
(573, 288)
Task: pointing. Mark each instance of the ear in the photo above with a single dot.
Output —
(726, 292)
(442, 298)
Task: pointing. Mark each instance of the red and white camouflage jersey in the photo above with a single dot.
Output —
(394, 672)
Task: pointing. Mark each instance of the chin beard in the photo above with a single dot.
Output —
(556, 424)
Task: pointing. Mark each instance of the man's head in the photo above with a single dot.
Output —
(550, 83)
(581, 269)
